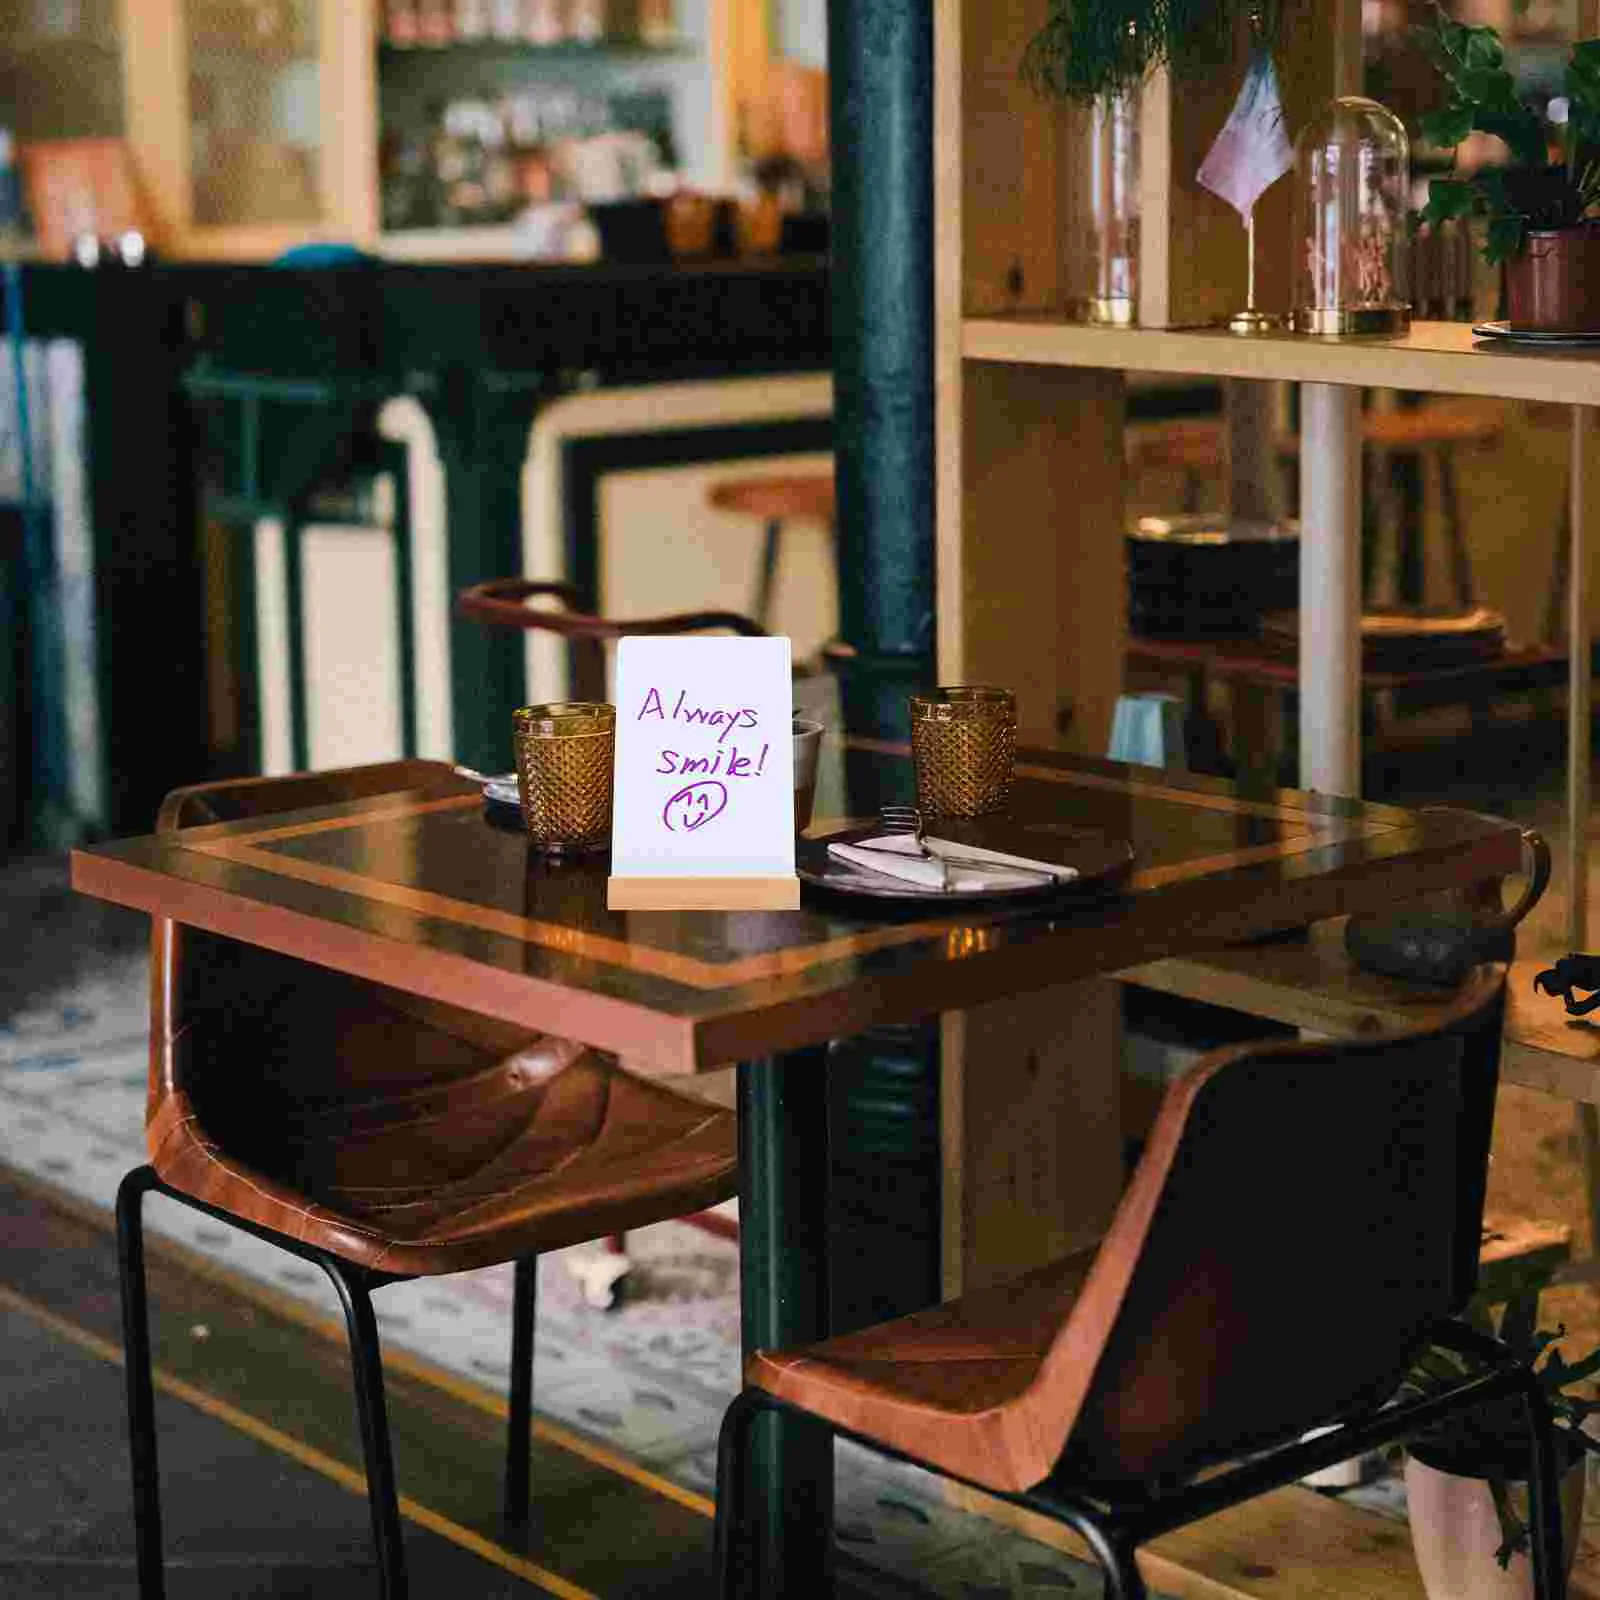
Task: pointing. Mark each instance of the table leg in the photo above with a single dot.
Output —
(783, 1233)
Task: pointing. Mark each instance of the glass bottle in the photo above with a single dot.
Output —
(400, 26)
(586, 20)
(542, 22)
(1352, 187)
(472, 19)
(1112, 195)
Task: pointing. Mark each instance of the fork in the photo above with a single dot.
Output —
(898, 819)
(908, 820)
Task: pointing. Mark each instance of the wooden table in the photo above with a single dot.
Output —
(419, 891)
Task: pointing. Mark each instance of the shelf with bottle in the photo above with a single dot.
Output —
(560, 27)
(610, 46)
(22, 46)
(478, 161)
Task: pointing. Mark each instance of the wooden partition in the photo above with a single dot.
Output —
(1031, 514)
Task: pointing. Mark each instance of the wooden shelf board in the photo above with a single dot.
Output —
(614, 46)
(1435, 357)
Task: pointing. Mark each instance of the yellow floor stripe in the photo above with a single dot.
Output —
(337, 1471)
(293, 1309)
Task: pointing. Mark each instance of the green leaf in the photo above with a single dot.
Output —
(1449, 197)
(1482, 51)
(1503, 238)
(1583, 72)
(1448, 126)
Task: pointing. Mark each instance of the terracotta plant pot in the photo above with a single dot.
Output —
(1553, 282)
(1455, 1533)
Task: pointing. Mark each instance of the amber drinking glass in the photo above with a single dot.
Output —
(963, 740)
(564, 761)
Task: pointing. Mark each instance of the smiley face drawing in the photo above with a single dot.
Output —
(694, 806)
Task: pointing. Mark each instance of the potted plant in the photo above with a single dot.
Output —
(1466, 1478)
(1538, 203)
(1088, 49)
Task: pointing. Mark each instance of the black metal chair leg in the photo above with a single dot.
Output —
(366, 1361)
(1544, 1500)
(519, 1426)
(137, 1379)
(733, 1471)
(1123, 1578)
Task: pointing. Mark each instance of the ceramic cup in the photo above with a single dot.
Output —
(807, 747)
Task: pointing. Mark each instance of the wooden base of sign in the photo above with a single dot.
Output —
(703, 894)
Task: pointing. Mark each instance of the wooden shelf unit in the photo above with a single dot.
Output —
(1030, 511)
(1030, 520)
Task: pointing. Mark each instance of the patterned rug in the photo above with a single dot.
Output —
(650, 1377)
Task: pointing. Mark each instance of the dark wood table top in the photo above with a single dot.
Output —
(421, 891)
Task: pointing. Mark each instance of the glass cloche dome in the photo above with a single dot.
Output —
(1352, 189)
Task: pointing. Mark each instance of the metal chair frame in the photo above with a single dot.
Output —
(354, 1285)
(1114, 1531)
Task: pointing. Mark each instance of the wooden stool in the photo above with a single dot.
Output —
(775, 501)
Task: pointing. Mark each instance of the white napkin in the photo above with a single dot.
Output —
(502, 789)
(976, 871)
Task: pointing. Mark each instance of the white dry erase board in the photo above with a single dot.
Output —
(702, 815)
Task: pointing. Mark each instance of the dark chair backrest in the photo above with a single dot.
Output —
(503, 603)
(236, 799)
(270, 1015)
(1303, 1214)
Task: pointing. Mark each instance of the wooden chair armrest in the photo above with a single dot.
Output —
(501, 602)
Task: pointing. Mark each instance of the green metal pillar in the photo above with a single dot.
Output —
(482, 421)
(881, 76)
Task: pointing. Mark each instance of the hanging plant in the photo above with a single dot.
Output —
(1091, 48)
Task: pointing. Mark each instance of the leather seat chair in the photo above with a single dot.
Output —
(503, 603)
(1305, 1216)
(382, 1137)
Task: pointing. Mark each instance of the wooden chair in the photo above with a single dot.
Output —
(503, 603)
(1304, 1216)
(381, 1137)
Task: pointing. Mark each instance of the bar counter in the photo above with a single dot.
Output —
(233, 390)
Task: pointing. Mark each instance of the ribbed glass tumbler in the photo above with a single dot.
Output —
(564, 762)
(963, 740)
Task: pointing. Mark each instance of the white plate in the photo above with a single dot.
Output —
(1504, 331)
